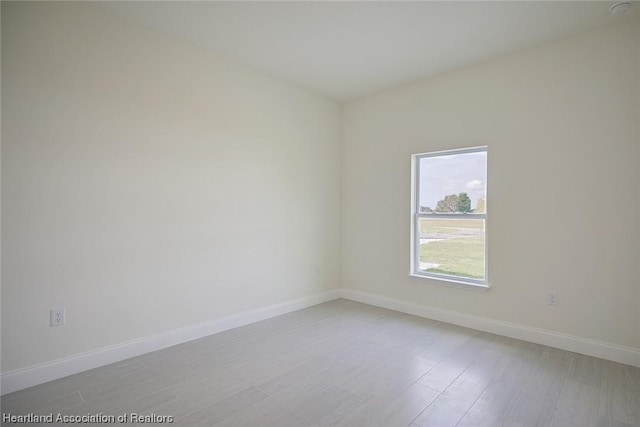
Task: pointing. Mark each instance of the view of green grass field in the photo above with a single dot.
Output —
(453, 247)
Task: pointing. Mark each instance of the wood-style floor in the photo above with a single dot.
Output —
(349, 364)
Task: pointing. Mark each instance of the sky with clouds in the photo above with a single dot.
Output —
(452, 174)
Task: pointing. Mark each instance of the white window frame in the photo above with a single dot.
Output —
(416, 215)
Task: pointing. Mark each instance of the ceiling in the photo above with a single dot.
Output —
(346, 50)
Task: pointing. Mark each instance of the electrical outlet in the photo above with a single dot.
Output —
(552, 298)
(57, 316)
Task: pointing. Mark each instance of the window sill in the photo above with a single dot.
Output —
(441, 281)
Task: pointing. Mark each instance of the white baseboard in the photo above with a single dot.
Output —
(603, 350)
(34, 375)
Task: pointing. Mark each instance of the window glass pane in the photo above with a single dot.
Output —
(453, 183)
(452, 246)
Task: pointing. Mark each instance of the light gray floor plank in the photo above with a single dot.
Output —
(490, 409)
(586, 369)
(349, 364)
(376, 389)
(608, 422)
(399, 411)
(487, 363)
(451, 366)
(536, 402)
(620, 393)
(274, 407)
(312, 408)
(578, 406)
(225, 408)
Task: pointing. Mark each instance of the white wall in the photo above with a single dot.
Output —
(562, 123)
(148, 185)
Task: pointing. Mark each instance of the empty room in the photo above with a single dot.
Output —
(320, 213)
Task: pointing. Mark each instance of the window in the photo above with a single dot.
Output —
(448, 226)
